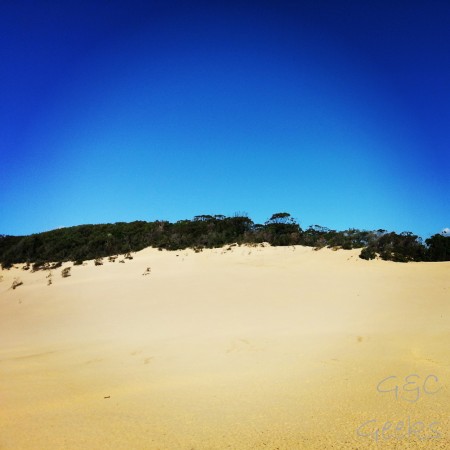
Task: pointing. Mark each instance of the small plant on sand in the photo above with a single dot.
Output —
(321, 243)
(35, 267)
(147, 271)
(112, 258)
(98, 262)
(39, 265)
(128, 256)
(6, 265)
(122, 261)
(16, 283)
(65, 272)
(368, 253)
(49, 282)
(78, 262)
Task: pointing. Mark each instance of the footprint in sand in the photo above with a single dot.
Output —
(95, 360)
(146, 360)
(242, 345)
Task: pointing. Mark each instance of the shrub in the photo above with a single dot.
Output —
(16, 283)
(320, 243)
(65, 272)
(6, 265)
(438, 248)
(368, 253)
(39, 265)
(88, 242)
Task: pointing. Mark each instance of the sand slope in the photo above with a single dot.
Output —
(248, 348)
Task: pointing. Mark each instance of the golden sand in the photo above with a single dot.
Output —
(247, 348)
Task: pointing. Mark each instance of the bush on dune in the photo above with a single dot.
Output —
(95, 242)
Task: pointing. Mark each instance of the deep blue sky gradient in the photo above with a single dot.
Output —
(335, 111)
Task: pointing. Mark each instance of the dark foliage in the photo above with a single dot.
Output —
(94, 242)
(401, 247)
(438, 248)
(368, 253)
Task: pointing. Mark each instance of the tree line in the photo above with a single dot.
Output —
(86, 242)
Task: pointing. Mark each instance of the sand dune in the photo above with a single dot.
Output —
(246, 348)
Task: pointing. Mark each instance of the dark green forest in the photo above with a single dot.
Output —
(86, 242)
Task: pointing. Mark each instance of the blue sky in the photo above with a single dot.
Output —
(335, 111)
